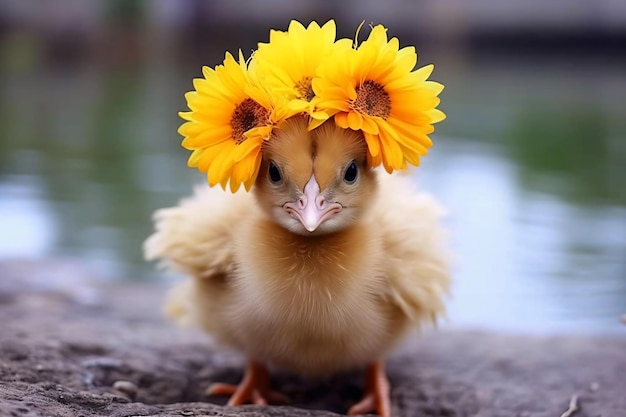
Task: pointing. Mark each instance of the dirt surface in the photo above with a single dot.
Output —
(65, 344)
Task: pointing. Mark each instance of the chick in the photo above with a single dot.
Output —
(324, 267)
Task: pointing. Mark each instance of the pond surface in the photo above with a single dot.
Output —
(531, 165)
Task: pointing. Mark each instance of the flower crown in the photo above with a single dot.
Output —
(370, 87)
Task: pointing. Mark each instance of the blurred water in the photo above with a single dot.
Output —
(530, 163)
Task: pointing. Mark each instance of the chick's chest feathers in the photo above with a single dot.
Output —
(316, 302)
(274, 261)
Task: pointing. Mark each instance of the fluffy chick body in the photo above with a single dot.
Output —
(312, 303)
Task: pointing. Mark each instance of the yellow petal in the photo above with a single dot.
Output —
(436, 115)
(355, 120)
(315, 122)
(373, 144)
(392, 154)
(342, 120)
(369, 125)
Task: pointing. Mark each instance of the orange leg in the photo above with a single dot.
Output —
(376, 396)
(254, 388)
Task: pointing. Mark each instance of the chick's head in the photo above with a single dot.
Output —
(315, 182)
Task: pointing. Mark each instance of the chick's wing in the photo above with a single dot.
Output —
(416, 262)
(195, 237)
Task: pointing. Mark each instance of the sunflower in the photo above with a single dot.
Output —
(287, 64)
(230, 117)
(374, 88)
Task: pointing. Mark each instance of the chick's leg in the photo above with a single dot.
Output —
(376, 396)
(254, 388)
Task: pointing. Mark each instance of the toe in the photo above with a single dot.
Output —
(219, 388)
(362, 407)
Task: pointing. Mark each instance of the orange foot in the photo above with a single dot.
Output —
(376, 396)
(253, 389)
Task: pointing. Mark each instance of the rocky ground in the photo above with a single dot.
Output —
(72, 349)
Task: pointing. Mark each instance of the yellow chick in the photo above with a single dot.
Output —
(324, 267)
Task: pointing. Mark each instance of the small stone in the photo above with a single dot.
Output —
(594, 386)
(187, 413)
(125, 387)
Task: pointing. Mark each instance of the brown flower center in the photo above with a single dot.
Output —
(247, 115)
(305, 89)
(372, 99)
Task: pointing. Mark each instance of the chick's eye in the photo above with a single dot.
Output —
(349, 176)
(275, 176)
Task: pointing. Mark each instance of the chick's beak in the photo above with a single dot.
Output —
(312, 209)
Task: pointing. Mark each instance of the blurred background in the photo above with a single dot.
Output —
(531, 162)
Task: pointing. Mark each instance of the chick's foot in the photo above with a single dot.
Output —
(376, 396)
(254, 388)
